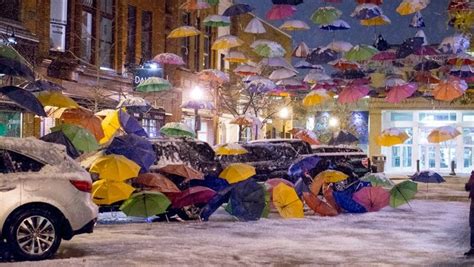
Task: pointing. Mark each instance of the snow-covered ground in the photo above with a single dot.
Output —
(433, 232)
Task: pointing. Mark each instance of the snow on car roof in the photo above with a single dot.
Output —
(35, 148)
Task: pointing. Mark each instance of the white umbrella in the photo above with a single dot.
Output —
(294, 25)
(282, 73)
(421, 33)
(315, 76)
(246, 70)
(302, 50)
(255, 26)
(276, 62)
(236, 56)
(454, 44)
(340, 46)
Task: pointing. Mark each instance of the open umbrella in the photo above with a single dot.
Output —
(56, 99)
(217, 21)
(114, 168)
(191, 5)
(24, 99)
(184, 31)
(344, 200)
(247, 200)
(294, 25)
(316, 97)
(450, 89)
(376, 21)
(185, 171)
(177, 129)
(243, 120)
(237, 172)
(60, 138)
(443, 134)
(321, 55)
(372, 198)
(409, 46)
(84, 118)
(399, 93)
(427, 65)
(236, 57)
(135, 148)
(336, 25)
(277, 62)
(215, 202)
(193, 196)
(417, 21)
(343, 64)
(261, 86)
(267, 48)
(387, 55)
(131, 125)
(301, 51)
(213, 75)
(292, 84)
(343, 137)
(408, 7)
(282, 73)
(198, 104)
(153, 84)
(230, 149)
(14, 68)
(168, 58)
(378, 179)
(156, 182)
(428, 177)
(110, 125)
(391, 137)
(145, 204)
(352, 94)
(308, 136)
(135, 104)
(226, 42)
(106, 192)
(360, 53)
(366, 11)
(325, 15)
(237, 9)
(339, 46)
(42, 85)
(278, 12)
(255, 26)
(82, 139)
(287, 202)
(246, 70)
(331, 176)
(402, 193)
(300, 167)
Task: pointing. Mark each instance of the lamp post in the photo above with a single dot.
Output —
(197, 94)
(284, 113)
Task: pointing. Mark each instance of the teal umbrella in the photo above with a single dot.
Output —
(145, 204)
(177, 129)
(402, 193)
(326, 15)
(217, 21)
(82, 139)
(360, 53)
(154, 84)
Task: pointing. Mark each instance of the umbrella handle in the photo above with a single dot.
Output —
(404, 197)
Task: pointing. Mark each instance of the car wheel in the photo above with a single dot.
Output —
(33, 234)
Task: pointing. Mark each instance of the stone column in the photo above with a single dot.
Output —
(375, 128)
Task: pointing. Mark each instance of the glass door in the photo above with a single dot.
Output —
(427, 157)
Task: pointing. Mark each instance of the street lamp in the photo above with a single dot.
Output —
(197, 94)
(284, 114)
(333, 122)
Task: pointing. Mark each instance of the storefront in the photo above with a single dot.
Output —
(10, 123)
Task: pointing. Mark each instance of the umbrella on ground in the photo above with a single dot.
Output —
(236, 57)
(177, 129)
(145, 204)
(193, 196)
(106, 192)
(337, 25)
(82, 139)
(255, 26)
(135, 104)
(294, 25)
(135, 148)
(110, 125)
(409, 46)
(153, 84)
(230, 149)
(450, 89)
(399, 93)
(14, 68)
(185, 171)
(156, 182)
(443, 134)
(372, 198)
(237, 172)
(226, 42)
(360, 53)
(402, 193)
(184, 31)
(325, 15)
(428, 177)
(60, 138)
(237, 9)
(343, 137)
(331, 176)
(366, 11)
(84, 118)
(344, 200)
(114, 168)
(278, 12)
(247, 200)
(300, 167)
(318, 206)
(287, 201)
(168, 58)
(377, 179)
(214, 203)
(352, 94)
(301, 51)
(391, 137)
(56, 99)
(321, 55)
(316, 97)
(308, 136)
(42, 85)
(217, 21)
(408, 7)
(213, 182)
(24, 99)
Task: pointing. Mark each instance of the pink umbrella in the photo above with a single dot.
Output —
(400, 92)
(372, 198)
(280, 12)
(426, 51)
(352, 94)
(385, 55)
(282, 73)
(168, 58)
(292, 84)
(191, 196)
(213, 75)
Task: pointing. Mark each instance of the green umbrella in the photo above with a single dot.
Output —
(360, 53)
(326, 15)
(377, 180)
(217, 21)
(154, 84)
(213, 2)
(402, 193)
(177, 129)
(82, 139)
(266, 210)
(269, 50)
(9, 52)
(145, 204)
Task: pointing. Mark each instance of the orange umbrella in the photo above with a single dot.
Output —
(426, 77)
(157, 182)
(243, 120)
(343, 64)
(182, 170)
(295, 130)
(84, 118)
(308, 136)
(450, 89)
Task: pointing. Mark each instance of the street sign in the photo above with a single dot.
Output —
(142, 74)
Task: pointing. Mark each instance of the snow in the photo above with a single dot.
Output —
(35, 148)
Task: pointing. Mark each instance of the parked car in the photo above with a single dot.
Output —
(44, 195)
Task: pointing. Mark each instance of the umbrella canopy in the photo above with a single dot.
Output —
(372, 198)
(193, 196)
(230, 149)
(185, 171)
(360, 53)
(299, 168)
(427, 65)
(428, 177)
(217, 21)
(287, 201)
(42, 85)
(443, 134)
(246, 70)
(331, 176)
(255, 26)
(278, 12)
(131, 125)
(267, 48)
(301, 51)
(426, 77)
(316, 97)
(135, 148)
(114, 168)
(261, 86)
(105, 192)
(244, 120)
(402, 193)
(316, 76)
(399, 93)
(408, 7)
(237, 172)
(321, 55)
(213, 75)
(226, 42)
(198, 104)
(343, 137)
(135, 104)
(56, 99)
(237, 9)
(325, 15)
(177, 129)
(378, 179)
(387, 55)
(184, 31)
(191, 5)
(145, 204)
(153, 84)
(343, 64)
(110, 125)
(14, 68)
(376, 21)
(236, 57)
(214, 203)
(276, 62)
(247, 200)
(287, 2)
(336, 25)
(344, 201)
(391, 137)
(60, 138)
(339, 46)
(168, 58)
(282, 73)
(84, 118)
(24, 99)
(156, 182)
(409, 46)
(352, 94)
(294, 25)
(450, 89)
(308, 136)
(366, 11)
(417, 21)
(82, 139)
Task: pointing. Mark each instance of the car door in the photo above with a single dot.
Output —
(10, 185)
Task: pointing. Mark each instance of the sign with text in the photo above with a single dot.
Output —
(58, 22)
(142, 74)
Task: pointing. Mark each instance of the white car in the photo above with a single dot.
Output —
(44, 195)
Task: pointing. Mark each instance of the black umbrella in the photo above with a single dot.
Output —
(343, 138)
(237, 9)
(14, 68)
(247, 200)
(349, 74)
(409, 46)
(321, 56)
(287, 2)
(43, 85)
(24, 99)
(59, 137)
(427, 65)
(381, 44)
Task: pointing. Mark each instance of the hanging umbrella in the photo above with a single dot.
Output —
(450, 89)
(131, 125)
(267, 48)
(321, 55)
(216, 21)
(331, 176)
(261, 86)
(156, 182)
(153, 84)
(292, 84)
(278, 12)
(360, 53)
(399, 93)
(316, 97)
(421, 34)
(301, 51)
(336, 25)
(177, 129)
(454, 44)
(14, 68)
(226, 42)
(279, 62)
(193, 196)
(381, 44)
(343, 64)
(135, 148)
(243, 120)
(213, 75)
(391, 137)
(303, 64)
(215, 202)
(302, 166)
(246, 70)
(308, 136)
(230, 149)
(376, 21)
(135, 104)
(465, 72)
(236, 57)
(247, 201)
(366, 11)
(191, 5)
(402, 193)
(377, 179)
(145, 204)
(349, 75)
(388, 55)
(460, 60)
(372, 198)
(255, 26)
(343, 137)
(428, 177)
(325, 15)
(184, 31)
(375, 2)
(168, 58)
(426, 77)
(82, 139)
(443, 134)
(409, 46)
(185, 171)
(282, 73)
(408, 7)
(110, 125)
(105, 192)
(294, 25)
(427, 65)
(287, 2)
(237, 9)
(24, 99)
(352, 94)
(42, 85)
(417, 21)
(56, 99)
(339, 46)
(60, 138)
(198, 104)
(237, 172)
(114, 168)
(287, 201)
(84, 118)
(316, 77)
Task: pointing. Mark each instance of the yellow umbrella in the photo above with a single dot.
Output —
(107, 192)
(231, 149)
(391, 137)
(56, 99)
(377, 21)
(115, 168)
(184, 31)
(236, 57)
(331, 176)
(110, 125)
(443, 134)
(287, 202)
(237, 172)
(226, 42)
(103, 113)
(408, 7)
(316, 97)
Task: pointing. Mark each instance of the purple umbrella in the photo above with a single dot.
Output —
(198, 104)
(24, 99)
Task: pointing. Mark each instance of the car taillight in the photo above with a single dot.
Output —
(84, 186)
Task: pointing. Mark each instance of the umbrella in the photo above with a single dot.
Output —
(349, 75)
(243, 120)
(192, 196)
(325, 15)
(56, 99)
(372, 198)
(377, 179)
(230, 149)
(287, 2)
(213, 75)
(366, 11)
(198, 104)
(331, 176)
(105, 192)
(392, 137)
(191, 5)
(145, 204)
(409, 46)
(214, 203)
(376, 21)
(82, 139)
(282, 73)
(246, 70)
(343, 137)
(381, 44)
(408, 7)
(301, 51)
(308, 136)
(300, 167)
(255, 26)
(344, 201)
(213, 182)
(292, 84)
(135, 148)
(426, 77)
(388, 55)
(450, 89)
(177, 129)
(402, 193)
(427, 65)
(278, 12)
(417, 21)
(398, 93)
(184, 31)
(321, 55)
(276, 62)
(336, 25)
(375, 2)
(42, 85)
(237, 172)
(84, 118)
(236, 57)
(261, 86)
(443, 134)
(153, 84)
(131, 125)
(461, 59)
(352, 94)
(294, 25)
(60, 138)
(318, 206)
(114, 168)
(110, 125)
(168, 58)
(135, 104)
(156, 182)
(185, 171)
(217, 21)
(8, 52)
(24, 99)
(455, 44)
(267, 48)
(428, 177)
(226, 42)
(247, 200)
(343, 64)
(339, 46)
(273, 182)
(237, 9)
(421, 34)
(287, 201)
(316, 97)
(14, 68)
(360, 53)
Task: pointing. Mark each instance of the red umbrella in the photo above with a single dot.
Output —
(372, 198)
(352, 94)
(400, 92)
(192, 196)
(426, 51)
(280, 12)
(385, 55)
(182, 170)
(308, 136)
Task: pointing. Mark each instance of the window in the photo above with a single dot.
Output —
(222, 62)
(468, 140)
(468, 116)
(186, 20)
(131, 34)
(57, 27)
(151, 127)
(10, 10)
(146, 35)
(86, 34)
(197, 46)
(10, 124)
(15, 162)
(402, 155)
(207, 48)
(430, 117)
(106, 35)
(202, 133)
(401, 116)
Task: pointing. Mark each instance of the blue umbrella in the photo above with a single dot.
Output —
(344, 200)
(301, 187)
(298, 168)
(287, 2)
(428, 177)
(220, 198)
(59, 137)
(24, 99)
(321, 55)
(135, 148)
(215, 183)
(130, 125)
(336, 25)
(417, 21)
(247, 200)
(409, 46)
(237, 9)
